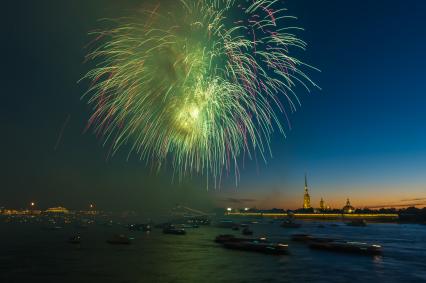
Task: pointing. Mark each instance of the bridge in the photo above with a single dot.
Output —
(188, 212)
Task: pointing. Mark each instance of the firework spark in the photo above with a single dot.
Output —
(196, 84)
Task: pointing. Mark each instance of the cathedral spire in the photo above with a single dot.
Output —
(306, 182)
(306, 197)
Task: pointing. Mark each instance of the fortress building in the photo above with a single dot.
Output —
(348, 208)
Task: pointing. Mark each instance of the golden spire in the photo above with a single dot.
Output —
(306, 197)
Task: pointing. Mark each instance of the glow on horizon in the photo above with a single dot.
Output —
(360, 197)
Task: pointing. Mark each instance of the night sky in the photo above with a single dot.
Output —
(362, 136)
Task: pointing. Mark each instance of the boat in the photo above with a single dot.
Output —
(247, 231)
(119, 240)
(140, 227)
(74, 240)
(236, 227)
(289, 223)
(301, 237)
(306, 238)
(231, 238)
(162, 225)
(81, 226)
(52, 228)
(357, 222)
(347, 247)
(267, 248)
(174, 230)
(202, 220)
(188, 226)
(225, 224)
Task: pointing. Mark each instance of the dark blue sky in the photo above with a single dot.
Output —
(362, 136)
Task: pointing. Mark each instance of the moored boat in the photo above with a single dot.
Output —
(225, 224)
(140, 227)
(74, 240)
(52, 228)
(347, 247)
(357, 222)
(174, 230)
(306, 238)
(261, 247)
(247, 231)
(231, 238)
(301, 237)
(289, 223)
(188, 226)
(119, 240)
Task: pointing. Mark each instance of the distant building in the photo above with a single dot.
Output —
(306, 197)
(11, 212)
(348, 208)
(58, 209)
(322, 205)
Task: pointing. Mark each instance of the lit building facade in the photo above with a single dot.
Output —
(59, 209)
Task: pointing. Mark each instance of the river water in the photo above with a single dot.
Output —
(31, 254)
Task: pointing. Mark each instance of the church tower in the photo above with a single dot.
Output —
(322, 205)
(306, 197)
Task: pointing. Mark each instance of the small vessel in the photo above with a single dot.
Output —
(321, 226)
(301, 237)
(236, 227)
(52, 228)
(347, 247)
(162, 225)
(247, 231)
(231, 238)
(202, 220)
(357, 222)
(119, 240)
(225, 224)
(74, 240)
(262, 247)
(306, 238)
(289, 223)
(140, 227)
(81, 226)
(188, 226)
(174, 230)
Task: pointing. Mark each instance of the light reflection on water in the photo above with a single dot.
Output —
(29, 253)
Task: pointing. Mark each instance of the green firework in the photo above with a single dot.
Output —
(196, 84)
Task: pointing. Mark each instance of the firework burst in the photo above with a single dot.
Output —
(196, 84)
